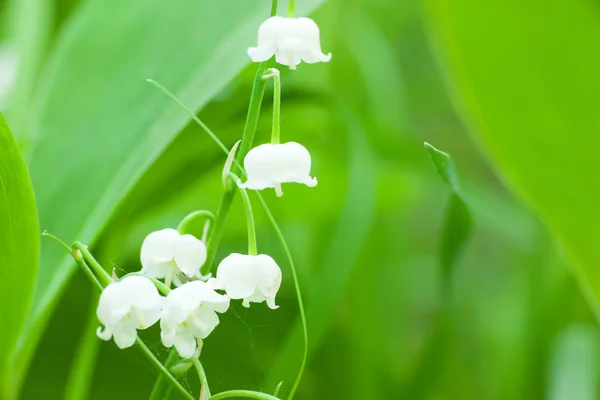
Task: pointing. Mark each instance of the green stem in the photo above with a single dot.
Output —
(252, 248)
(275, 133)
(274, 8)
(291, 9)
(201, 375)
(184, 225)
(298, 295)
(103, 276)
(247, 139)
(294, 274)
(190, 112)
(161, 388)
(78, 259)
(163, 370)
(243, 393)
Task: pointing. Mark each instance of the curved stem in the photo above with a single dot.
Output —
(190, 112)
(252, 248)
(184, 225)
(275, 133)
(201, 376)
(274, 8)
(163, 370)
(101, 274)
(161, 389)
(243, 393)
(298, 294)
(247, 139)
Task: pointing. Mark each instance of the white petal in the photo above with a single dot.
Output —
(157, 252)
(311, 57)
(250, 278)
(185, 345)
(104, 334)
(143, 294)
(259, 54)
(236, 272)
(125, 336)
(269, 165)
(190, 254)
(271, 303)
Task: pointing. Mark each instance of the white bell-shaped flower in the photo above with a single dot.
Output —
(168, 254)
(250, 278)
(190, 313)
(291, 40)
(127, 305)
(270, 165)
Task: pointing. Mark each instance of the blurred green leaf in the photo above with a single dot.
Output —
(573, 369)
(345, 245)
(91, 149)
(458, 222)
(19, 248)
(526, 80)
(81, 375)
(31, 28)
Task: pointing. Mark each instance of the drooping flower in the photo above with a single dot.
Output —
(291, 40)
(168, 254)
(270, 165)
(128, 305)
(190, 313)
(250, 278)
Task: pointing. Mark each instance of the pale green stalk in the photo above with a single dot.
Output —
(80, 253)
(162, 388)
(243, 393)
(201, 376)
(183, 226)
(276, 130)
(246, 144)
(294, 275)
(252, 247)
(298, 295)
(291, 8)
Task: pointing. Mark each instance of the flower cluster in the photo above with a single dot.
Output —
(189, 312)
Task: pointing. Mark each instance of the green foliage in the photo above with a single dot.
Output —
(458, 222)
(19, 248)
(126, 124)
(528, 88)
(113, 159)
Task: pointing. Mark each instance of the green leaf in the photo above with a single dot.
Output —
(19, 248)
(340, 260)
(526, 81)
(573, 366)
(458, 223)
(101, 125)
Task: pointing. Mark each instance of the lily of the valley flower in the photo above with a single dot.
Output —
(125, 306)
(270, 165)
(250, 278)
(190, 313)
(168, 254)
(291, 40)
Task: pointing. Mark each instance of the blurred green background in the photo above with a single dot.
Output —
(493, 84)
